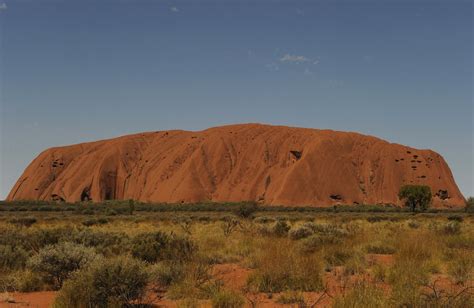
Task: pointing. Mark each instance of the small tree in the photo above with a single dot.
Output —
(246, 209)
(131, 206)
(57, 263)
(415, 196)
(470, 205)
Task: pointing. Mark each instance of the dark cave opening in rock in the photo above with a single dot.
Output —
(296, 154)
(107, 185)
(442, 194)
(85, 195)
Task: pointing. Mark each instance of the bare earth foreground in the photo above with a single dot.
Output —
(274, 165)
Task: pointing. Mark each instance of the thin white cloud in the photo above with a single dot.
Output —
(272, 66)
(294, 58)
(3, 6)
(174, 9)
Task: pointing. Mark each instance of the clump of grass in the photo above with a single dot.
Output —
(380, 249)
(224, 298)
(362, 295)
(413, 224)
(412, 267)
(195, 283)
(461, 266)
(355, 265)
(460, 242)
(229, 225)
(317, 241)
(379, 273)
(280, 268)
(458, 218)
(338, 256)
(291, 297)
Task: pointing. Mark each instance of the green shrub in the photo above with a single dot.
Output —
(373, 219)
(27, 281)
(158, 246)
(23, 221)
(93, 222)
(20, 281)
(246, 210)
(106, 243)
(452, 228)
(12, 258)
(300, 232)
(455, 218)
(329, 229)
(166, 273)
(280, 228)
(380, 249)
(264, 219)
(470, 205)
(36, 239)
(227, 299)
(113, 282)
(56, 263)
(413, 224)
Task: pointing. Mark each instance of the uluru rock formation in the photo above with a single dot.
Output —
(274, 165)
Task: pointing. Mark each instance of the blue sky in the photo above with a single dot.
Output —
(75, 71)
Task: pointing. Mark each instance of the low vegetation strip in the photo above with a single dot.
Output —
(240, 257)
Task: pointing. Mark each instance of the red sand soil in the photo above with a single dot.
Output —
(273, 165)
(381, 259)
(32, 299)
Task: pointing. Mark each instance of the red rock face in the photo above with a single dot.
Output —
(274, 165)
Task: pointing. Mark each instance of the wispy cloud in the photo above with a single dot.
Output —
(272, 66)
(3, 6)
(174, 9)
(294, 58)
